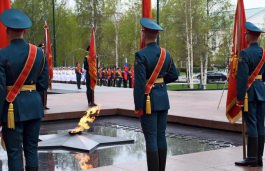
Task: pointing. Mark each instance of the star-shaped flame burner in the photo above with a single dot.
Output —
(83, 143)
(77, 140)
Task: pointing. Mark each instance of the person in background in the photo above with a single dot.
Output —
(104, 75)
(109, 76)
(114, 73)
(78, 72)
(100, 76)
(150, 93)
(21, 107)
(125, 77)
(131, 77)
(119, 77)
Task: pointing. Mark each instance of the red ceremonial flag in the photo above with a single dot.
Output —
(233, 112)
(48, 53)
(146, 13)
(92, 60)
(4, 4)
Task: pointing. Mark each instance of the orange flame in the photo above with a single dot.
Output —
(83, 161)
(84, 122)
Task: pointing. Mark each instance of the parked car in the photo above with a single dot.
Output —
(215, 76)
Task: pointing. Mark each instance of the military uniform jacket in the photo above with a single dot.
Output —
(248, 61)
(27, 105)
(145, 63)
(86, 67)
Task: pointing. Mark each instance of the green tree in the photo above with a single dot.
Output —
(118, 29)
(189, 29)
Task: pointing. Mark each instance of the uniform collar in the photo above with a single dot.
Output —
(18, 41)
(152, 44)
(254, 44)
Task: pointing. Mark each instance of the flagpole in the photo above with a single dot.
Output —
(243, 136)
(239, 48)
(54, 33)
(157, 17)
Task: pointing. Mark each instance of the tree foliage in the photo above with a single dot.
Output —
(119, 18)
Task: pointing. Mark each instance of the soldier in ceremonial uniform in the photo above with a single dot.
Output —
(153, 116)
(21, 107)
(125, 78)
(119, 77)
(78, 73)
(109, 76)
(100, 76)
(89, 91)
(131, 77)
(104, 73)
(114, 75)
(248, 62)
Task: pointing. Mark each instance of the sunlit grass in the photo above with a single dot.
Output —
(216, 86)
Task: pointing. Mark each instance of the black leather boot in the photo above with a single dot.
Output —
(260, 150)
(162, 159)
(32, 168)
(152, 160)
(252, 153)
(88, 99)
(92, 97)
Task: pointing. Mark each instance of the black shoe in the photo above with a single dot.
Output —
(252, 153)
(32, 168)
(92, 104)
(46, 108)
(252, 162)
(88, 99)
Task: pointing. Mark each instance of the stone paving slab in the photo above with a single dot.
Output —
(218, 160)
(197, 108)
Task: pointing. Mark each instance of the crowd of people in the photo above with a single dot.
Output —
(106, 76)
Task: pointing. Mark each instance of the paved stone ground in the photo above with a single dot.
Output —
(187, 106)
(218, 160)
(198, 108)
